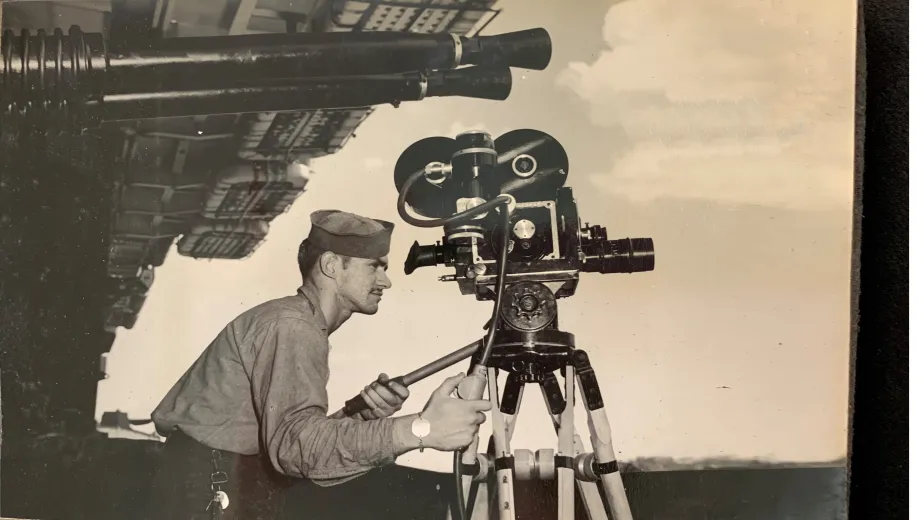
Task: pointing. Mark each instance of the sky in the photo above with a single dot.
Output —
(721, 129)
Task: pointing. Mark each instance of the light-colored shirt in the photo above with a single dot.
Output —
(260, 386)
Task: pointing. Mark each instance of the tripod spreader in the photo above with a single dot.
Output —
(358, 404)
(537, 465)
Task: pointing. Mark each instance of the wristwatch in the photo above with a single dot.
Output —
(420, 428)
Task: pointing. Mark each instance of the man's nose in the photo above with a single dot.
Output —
(386, 281)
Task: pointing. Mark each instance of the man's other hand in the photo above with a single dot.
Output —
(454, 422)
(383, 397)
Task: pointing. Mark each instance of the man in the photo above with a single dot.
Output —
(252, 411)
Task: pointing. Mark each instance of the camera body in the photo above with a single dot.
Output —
(547, 244)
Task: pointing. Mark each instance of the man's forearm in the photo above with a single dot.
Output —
(322, 447)
(402, 437)
(333, 447)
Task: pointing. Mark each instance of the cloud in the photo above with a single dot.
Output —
(747, 102)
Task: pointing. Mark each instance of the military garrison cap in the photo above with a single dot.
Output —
(349, 234)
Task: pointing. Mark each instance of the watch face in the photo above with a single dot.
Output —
(420, 428)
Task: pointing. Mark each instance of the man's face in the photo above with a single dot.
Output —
(362, 282)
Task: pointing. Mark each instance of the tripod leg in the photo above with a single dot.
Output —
(601, 438)
(590, 493)
(566, 451)
(555, 402)
(510, 408)
(503, 459)
(485, 495)
(510, 403)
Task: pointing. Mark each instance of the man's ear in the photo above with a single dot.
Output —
(329, 264)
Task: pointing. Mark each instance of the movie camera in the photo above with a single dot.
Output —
(513, 235)
(528, 170)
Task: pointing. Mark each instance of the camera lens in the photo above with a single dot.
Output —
(626, 255)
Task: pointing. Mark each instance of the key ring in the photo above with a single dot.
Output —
(217, 478)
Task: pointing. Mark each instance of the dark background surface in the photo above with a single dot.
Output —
(879, 465)
(107, 479)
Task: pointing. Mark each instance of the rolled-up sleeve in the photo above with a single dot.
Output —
(289, 381)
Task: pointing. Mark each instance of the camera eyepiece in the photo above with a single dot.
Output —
(427, 256)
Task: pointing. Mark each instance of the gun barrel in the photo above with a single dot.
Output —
(58, 73)
(312, 94)
(187, 62)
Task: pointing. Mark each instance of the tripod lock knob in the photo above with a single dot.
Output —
(584, 467)
(485, 466)
(532, 466)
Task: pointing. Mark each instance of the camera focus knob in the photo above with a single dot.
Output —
(524, 229)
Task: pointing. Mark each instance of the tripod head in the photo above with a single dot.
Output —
(461, 184)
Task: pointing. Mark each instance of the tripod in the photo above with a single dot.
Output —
(533, 358)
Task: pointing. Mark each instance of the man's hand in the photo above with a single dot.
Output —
(454, 422)
(383, 398)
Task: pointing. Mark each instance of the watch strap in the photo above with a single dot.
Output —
(420, 439)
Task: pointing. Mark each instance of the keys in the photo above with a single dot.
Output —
(218, 478)
(220, 498)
